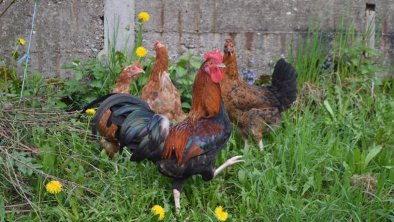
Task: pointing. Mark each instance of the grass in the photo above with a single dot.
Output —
(332, 159)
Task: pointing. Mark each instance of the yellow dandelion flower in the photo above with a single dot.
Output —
(22, 41)
(141, 52)
(220, 214)
(158, 210)
(90, 112)
(143, 16)
(54, 187)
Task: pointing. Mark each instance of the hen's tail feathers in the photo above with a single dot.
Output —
(139, 128)
(284, 82)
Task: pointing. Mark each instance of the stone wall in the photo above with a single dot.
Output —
(262, 30)
(64, 31)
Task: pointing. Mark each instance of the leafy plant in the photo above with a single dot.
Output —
(9, 80)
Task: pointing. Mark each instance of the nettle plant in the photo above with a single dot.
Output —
(95, 78)
(98, 78)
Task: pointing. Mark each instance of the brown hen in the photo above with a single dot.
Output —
(256, 109)
(159, 92)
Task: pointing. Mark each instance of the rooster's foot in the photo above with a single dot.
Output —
(229, 162)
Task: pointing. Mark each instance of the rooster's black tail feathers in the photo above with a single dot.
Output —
(139, 128)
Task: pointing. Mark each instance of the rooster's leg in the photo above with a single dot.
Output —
(177, 186)
(177, 199)
(229, 162)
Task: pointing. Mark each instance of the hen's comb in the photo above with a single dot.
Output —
(158, 44)
(137, 64)
(215, 54)
(228, 42)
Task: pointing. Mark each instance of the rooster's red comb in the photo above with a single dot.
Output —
(215, 54)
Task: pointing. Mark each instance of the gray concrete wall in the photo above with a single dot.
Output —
(64, 31)
(262, 30)
(119, 25)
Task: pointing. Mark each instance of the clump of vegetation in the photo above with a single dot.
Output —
(332, 158)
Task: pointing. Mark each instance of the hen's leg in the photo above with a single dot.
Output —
(111, 148)
(246, 145)
(229, 162)
(261, 145)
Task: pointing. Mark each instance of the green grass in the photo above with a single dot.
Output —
(315, 167)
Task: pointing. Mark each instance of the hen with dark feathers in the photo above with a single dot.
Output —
(188, 148)
(256, 109)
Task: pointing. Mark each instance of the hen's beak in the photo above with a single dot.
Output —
(140, 70)
(221, 65)
(137, 72)
(228, 50)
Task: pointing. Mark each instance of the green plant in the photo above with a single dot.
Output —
(309, 54)
(9, 80)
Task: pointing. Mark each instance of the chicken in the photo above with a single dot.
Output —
(188, 148)
(256, 109)
(159, 92)
(109, 141)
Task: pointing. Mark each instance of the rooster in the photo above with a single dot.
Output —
(256, 109)
(188, 148)
(109, 141)
(159, 92)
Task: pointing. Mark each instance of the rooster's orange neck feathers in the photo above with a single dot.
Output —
(206, 97)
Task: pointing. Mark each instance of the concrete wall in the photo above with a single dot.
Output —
(262, 30)
(64, 30)
(120, 20)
